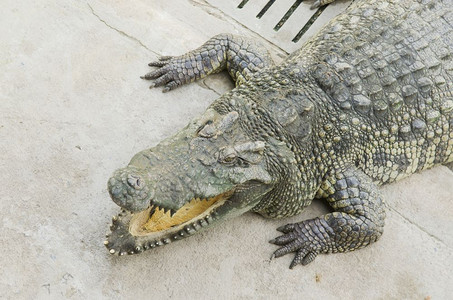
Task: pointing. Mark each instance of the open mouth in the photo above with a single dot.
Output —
(156, 219)
(134, 232)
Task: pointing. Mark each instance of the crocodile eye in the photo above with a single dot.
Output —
(227, 156)
(230, 159)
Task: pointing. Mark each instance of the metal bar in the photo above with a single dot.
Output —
(309, 23)
(265, 8)
(243, 2)
(288, 14)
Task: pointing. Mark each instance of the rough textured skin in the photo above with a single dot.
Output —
(240, 56)
(367, 101)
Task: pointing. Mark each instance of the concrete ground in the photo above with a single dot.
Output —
(73, 109)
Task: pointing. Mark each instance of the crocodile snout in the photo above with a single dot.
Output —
(128, 188)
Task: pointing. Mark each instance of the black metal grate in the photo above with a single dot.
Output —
(285, 23)
(243, 2)
(308, 24)
(265, 9)
(287, 15)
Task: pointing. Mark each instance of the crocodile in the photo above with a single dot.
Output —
(367, 101)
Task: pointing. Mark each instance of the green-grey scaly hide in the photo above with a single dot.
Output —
(367, 101)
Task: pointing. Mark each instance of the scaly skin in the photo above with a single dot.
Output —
(367, 101)
(241, 57)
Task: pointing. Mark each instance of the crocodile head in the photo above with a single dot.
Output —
(210, 171)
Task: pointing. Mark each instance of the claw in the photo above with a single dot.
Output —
(278, 253)
(157, 63)
(293, 264)
(165, 57)
(298, 258)
(283, 239)
(154, 74)
(162, 80)
(281, 228)
(309, 258)
(303, 257)
(285, 249)
(286, 228)
(316, 4)
(170, 86)
(160, 62)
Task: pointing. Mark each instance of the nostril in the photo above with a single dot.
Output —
(134, 181)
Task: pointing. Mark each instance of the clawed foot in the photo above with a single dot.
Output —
(168, 74)
(319, 3)
(299, 238)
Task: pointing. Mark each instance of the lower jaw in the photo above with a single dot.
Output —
(128, 237)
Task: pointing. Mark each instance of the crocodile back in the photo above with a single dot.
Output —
(385, 69)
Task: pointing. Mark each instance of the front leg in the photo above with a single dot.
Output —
(357, 220)
(240, 56)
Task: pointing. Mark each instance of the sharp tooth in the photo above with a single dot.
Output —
(172, 212)
(167, 211)
(203, 223)
(152, 211)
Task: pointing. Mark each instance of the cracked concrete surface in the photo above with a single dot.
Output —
(73, 109)
(121, 32)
